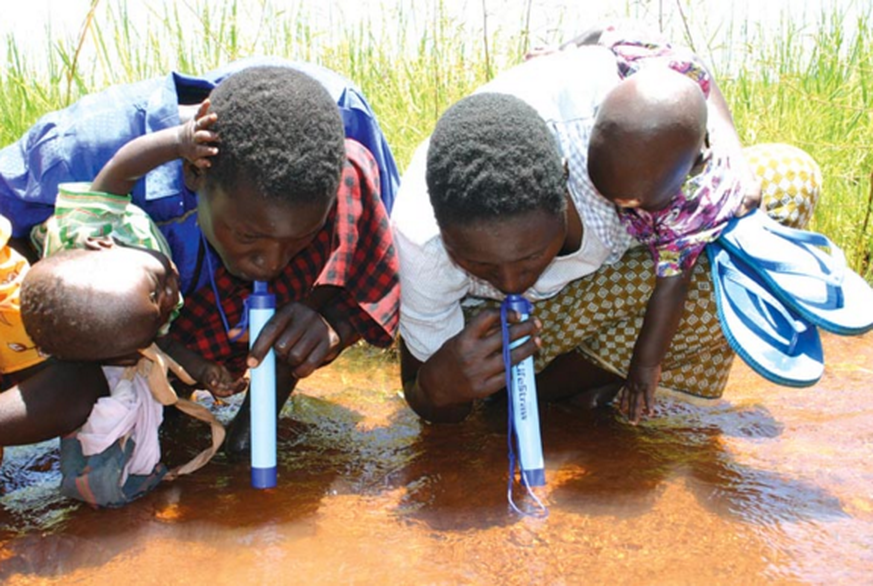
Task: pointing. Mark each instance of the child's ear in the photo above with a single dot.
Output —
(194, 176)
(99, 243)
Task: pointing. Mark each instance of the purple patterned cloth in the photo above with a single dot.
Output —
(677, 235)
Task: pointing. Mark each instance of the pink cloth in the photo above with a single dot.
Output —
(130, 411)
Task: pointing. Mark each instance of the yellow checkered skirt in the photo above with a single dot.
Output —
(601, 315)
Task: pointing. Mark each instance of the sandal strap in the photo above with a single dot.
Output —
(738, 239)
(768, 302)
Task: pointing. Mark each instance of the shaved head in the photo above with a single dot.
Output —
(83, 304)
(646, 137)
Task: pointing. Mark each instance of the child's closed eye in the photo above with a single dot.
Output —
(245, 238)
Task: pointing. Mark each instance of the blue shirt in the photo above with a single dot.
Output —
(73, 144)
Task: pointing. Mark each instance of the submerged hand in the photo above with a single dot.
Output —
(300, 337)
(218, 380)
(637, 397)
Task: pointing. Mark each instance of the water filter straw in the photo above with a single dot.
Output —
(262, 392)
(526, 416)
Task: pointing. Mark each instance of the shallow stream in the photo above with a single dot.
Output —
(769, 485)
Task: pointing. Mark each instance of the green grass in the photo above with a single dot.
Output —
(818, 98)
(821, 101)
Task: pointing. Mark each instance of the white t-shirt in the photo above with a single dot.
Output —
(565, 88)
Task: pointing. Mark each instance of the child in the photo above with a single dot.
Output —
(649, 154)
(107, 304)
(95, 218)
(93, 299)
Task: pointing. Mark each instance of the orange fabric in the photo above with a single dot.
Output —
(17, 351)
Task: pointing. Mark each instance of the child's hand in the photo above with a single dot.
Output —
(637, 397)
(196, 139)
(218, 380)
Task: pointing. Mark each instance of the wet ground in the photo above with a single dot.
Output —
(770, 485)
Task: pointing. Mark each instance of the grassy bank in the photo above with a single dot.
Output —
(820, 99)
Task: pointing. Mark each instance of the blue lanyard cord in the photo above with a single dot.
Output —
(541, 510)
(243, 324)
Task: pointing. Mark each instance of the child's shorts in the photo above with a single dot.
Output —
(98, 479)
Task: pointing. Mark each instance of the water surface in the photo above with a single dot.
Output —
(769, 485)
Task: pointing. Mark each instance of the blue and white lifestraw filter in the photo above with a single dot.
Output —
(526, 416)
(262, 390)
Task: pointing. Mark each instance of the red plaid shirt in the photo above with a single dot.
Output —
(354, 250)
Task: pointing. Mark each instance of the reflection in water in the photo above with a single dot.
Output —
(771, 484)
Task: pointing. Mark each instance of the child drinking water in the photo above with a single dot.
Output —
(649, 154)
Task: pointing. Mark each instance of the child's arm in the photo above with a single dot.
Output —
(214, 377)
(191, 140)
(663, 313)
(724, 133)
(53, 401)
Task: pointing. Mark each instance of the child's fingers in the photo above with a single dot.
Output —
(634, 408)
(222, 393)
(632, 405)
(622, 399)
(204, 108)
(205, 122)
(226, 389)
(205, 150)
(626, 404)
(229, 388)
(239, 385)
(205, 136)
(650, 402)
(200, 157)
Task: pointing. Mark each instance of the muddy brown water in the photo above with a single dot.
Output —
(768, 485)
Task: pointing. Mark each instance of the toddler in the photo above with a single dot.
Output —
(650, 154)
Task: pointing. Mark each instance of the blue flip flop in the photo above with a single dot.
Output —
(805, 270)
(771, 338)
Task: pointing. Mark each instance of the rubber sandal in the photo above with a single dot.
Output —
(805, 270)
(771, 338)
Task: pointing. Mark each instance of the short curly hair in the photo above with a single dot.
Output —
(64, 316)
(281, 132)
(490, 156)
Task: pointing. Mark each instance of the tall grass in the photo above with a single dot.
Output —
(822, 101)
(415, 58)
